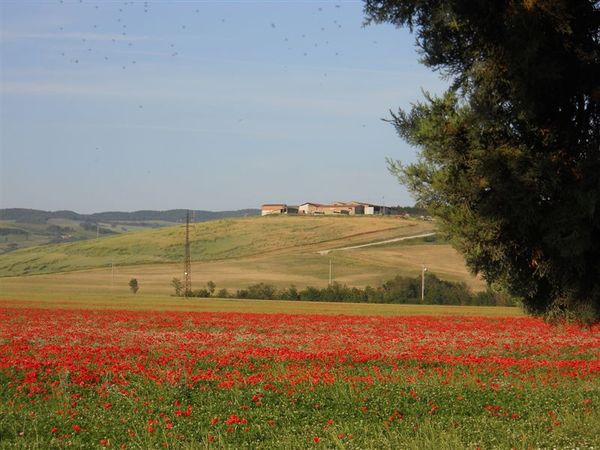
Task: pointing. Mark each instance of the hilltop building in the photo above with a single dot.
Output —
(378, 209)
(347, 208)
(336, 208)
(312, 208)
(277, 208)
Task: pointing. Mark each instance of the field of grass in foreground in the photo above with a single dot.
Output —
(100, 378)
(163, 303)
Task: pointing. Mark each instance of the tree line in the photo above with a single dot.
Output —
(399, 290)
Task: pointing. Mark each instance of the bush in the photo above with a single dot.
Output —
(261, 291)
(241, 293)
(177, 285)
(211, 286)
(399, 290)
(133, 285)
(310, 294)
(290, 293)
(223, 293)
(204, 293)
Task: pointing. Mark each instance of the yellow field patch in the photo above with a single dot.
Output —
(162, 303)
(229, 239)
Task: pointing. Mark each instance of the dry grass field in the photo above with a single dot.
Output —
(168, 303)
(233, 254)
(210, 241)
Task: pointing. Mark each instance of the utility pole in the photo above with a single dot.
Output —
(187, 264)
(97, 230)
(423, 270)
(112, 269)
(330, 272)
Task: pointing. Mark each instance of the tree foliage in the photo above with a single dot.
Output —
(400, 290)
(510, 155)
(177, 285)
(133, 285)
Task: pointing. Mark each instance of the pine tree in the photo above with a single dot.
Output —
(509, 156)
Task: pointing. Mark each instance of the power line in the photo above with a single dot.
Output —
(187, 263)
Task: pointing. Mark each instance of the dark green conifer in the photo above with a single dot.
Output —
(510, 154)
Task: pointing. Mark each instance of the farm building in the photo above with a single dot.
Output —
(371, 209)
(311, 208)
(349, 208)
(277, 208)
(346, 208)
(336, 208)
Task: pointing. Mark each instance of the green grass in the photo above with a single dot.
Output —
(235, 382)
(36, 235)
(234, 254)
(216, 240)
(43, 234)
(46, 233)
(331, 413)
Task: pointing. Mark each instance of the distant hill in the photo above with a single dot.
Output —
(235, 253)
(22, 215)
(218, 240)
(21, 228)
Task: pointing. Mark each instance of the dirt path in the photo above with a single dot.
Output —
(387, 241)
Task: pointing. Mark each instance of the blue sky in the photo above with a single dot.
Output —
(203, 105)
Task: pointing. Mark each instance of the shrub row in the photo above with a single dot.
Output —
(398, 290)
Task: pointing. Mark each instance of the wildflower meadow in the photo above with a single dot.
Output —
(122, 379)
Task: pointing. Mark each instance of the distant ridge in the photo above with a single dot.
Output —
(23, 215)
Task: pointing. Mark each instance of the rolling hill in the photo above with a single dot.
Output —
(210, 241)
(233, 253)
(22, 228)
(24, 215)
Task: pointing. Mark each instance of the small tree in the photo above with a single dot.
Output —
(211, 286)
(133, 285)
(177, 285)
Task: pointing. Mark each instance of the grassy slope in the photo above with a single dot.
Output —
(210, 241)
(41, 234)
(41, 225)
(37, 235)
(232, 253)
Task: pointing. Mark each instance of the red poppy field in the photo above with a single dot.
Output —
(90, 378)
